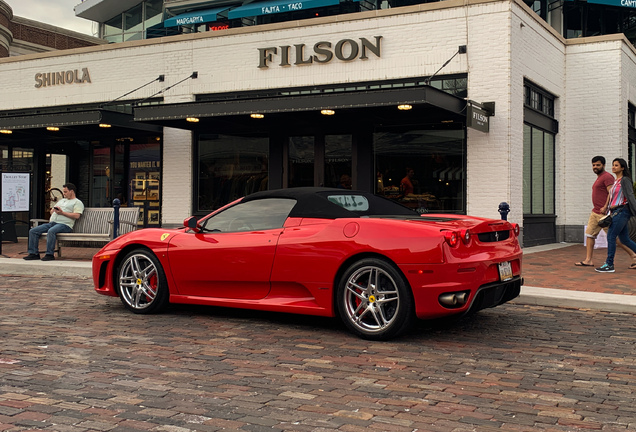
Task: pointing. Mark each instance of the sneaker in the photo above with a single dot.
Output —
(605, 268)
(48, 257)
(30, 257)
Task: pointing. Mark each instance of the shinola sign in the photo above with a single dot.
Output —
(322, 52)
(64, 77)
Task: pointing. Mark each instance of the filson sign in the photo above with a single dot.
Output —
(321, 52)
(76, 76)
(478, 118)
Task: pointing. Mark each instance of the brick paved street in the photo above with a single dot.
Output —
(71, 360)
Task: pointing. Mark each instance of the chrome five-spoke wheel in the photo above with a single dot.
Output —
(142, 282)
(373, 300)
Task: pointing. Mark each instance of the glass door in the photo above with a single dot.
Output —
(107, 181)
(301, 159)
(338, 161)
(321, 160)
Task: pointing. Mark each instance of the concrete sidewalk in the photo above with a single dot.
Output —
(552, 279)
(550, 276)
(19, 267)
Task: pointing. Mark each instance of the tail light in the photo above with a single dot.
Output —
(465, 236)
(452, 238)
(515, 229)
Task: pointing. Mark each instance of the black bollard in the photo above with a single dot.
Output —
(504, 209)
(116, 204)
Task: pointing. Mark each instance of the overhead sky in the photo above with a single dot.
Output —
(59, 13)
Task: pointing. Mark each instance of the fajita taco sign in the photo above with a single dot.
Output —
(46, 79)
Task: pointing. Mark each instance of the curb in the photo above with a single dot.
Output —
(19, 267)
(576, 299)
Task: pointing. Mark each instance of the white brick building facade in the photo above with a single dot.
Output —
(592, 80)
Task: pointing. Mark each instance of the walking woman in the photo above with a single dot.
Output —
(622, 204)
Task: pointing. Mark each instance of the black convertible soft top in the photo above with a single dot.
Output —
(316, 202)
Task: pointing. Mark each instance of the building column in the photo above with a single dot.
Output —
(6, 37)
(177, 180)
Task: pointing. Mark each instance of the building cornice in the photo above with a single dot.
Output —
(358, 16)
(58, 30)
(617, 37)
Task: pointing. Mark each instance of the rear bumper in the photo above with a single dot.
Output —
(478, 284)
(495, 294)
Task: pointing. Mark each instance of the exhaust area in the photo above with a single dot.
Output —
(454, 300)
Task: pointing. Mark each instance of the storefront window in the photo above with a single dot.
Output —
(422, 169)
(131, 24)
(301, 161)
(631, 133)
(133, 36)
(118, 176)
(632, 158)
(152, 13)
(108, 180)
(133, 19)
(230, 167)
(100, 183)
(114, 38)
(338, 161)
(145, 181)
(22, 159)
(113, 26)
(538, 171)
(18, 160)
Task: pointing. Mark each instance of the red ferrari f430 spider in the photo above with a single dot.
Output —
(331, 252)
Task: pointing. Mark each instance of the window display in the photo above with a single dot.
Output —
(230, 167)
(145, 182)
(422, 169)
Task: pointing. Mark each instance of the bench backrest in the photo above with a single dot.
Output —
(128, 214)
(95, 220)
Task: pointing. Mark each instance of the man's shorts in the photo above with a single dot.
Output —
(592, 225)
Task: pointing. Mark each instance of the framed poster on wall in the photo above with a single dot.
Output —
(15, 192)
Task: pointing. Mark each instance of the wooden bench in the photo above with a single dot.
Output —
(94, 228)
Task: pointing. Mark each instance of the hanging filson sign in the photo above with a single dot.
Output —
(76, 76)
(321, 52)
(477, 118)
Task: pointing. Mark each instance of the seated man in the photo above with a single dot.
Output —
(63, 217)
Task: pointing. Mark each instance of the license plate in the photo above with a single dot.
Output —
(505, 271)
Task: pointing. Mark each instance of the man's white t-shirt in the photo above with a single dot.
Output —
(70, 206)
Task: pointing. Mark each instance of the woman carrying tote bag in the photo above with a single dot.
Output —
(622, 205)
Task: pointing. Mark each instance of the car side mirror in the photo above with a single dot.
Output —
(192, 223)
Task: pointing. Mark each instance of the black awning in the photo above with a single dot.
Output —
(73, 118)
(345, 100)
(53, 119)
